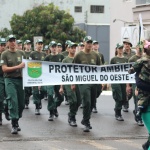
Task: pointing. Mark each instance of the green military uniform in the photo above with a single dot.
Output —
(128, 56)
(119, 90)
(37, 95)
(74, 97)
(13, 83)
(134, 58)
(54, 103)
(65, 53)
(142, 68)
(88, 91)
(2, 88)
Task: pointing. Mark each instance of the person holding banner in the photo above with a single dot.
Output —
(73, 95)
(99, 86)
(53, 103)
(65, 54)
(88, 91)
(28, 90)
(38, 92)
(12, 67)
(119, 90)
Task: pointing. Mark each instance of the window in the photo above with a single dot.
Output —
(97, 9)
(141, 2)
(77, 9)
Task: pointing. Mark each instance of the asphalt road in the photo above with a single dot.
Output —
(37, 133)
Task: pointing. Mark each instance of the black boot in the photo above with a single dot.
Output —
(14, 128)
(0, 118)
(145, 146)
(51, 117)
(6, 113)
(87, 125)
(37, 110)
(72, 121)
(118, 115)
(56, 112)
(17, 125)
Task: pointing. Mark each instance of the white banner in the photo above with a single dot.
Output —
(41, 73)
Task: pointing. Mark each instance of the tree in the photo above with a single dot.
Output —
(5, 32)
(47, 21)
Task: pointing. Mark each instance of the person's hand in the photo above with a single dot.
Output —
(61, 90)
(22, 65)
(128, 89)
(73, 87)
(136, 92)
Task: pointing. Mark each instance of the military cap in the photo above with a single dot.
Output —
(59, 44)
(11, 36)
(81, 44)
(72, 44)
(46, 47)
(52, 43)
(95, 42)
(39, 41)
(27, 42)
(88, 39)
(19, 41)
(3, 41)
(119, 46)
(67, 42)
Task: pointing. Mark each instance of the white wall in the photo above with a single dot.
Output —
(119, 10)
(9, 7)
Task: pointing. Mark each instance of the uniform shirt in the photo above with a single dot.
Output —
(1, 71)
(68, 60)
(27, 54)
(54, 58)
(101, 57)
(142, 66)
(125, 54)
(134, 58)
(118, 60)
(35, 55)
(65, 53)
(12, 59)
(91, 58)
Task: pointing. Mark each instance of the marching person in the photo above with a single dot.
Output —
(28, 90)
(134, 58)
(72, 94)
(65, 54)
(54, 102)
(12, 67)
(38, 91)
(3, 103)
(95, 48)
(119, 90)
(127, 53)
(88, 91)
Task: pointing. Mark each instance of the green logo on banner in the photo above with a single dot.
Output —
(34, 69)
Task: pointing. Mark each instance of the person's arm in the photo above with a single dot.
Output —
(6, 69)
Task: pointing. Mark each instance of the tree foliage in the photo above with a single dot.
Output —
(5, 32)
(47, 21)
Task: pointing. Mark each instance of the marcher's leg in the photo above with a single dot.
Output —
(117, 96)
